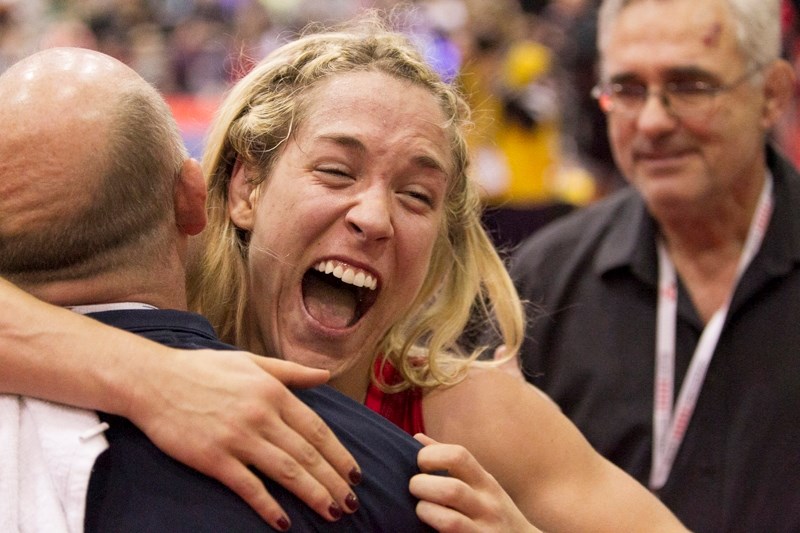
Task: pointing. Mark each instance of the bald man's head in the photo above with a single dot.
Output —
(88, 163)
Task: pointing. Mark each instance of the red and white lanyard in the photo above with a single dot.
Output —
(669, 424)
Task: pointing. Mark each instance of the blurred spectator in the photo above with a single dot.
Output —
(539, 141)
(788, 131)
(571, 30)
(68, 32)
(21, 22)
(510, 77)
(201, 48)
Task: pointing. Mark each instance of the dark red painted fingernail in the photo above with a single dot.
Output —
(352, 502)
(355, 476)
(335, 511)
(283, 523)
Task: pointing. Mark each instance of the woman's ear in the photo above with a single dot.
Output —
(241, 198)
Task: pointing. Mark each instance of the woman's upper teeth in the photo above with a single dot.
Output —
(348, 274)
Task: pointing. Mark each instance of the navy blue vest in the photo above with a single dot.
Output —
(136, 487)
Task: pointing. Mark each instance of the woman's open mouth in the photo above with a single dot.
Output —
(338, 295)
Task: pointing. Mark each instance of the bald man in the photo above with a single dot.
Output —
(98, 199)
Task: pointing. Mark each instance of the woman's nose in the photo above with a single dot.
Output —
(370, 216)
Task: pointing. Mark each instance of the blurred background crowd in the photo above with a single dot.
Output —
(527, 66)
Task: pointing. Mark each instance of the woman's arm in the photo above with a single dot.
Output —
(540, 458)
(247, 415)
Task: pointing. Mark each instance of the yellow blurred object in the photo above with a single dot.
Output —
(520, 162)
(575, 185)
(532, 157)
(524, 63)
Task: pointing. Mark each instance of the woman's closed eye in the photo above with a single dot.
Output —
(335, 173)
(419, 196)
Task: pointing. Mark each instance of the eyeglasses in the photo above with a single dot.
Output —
(681, 98)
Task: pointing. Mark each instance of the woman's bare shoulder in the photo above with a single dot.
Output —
(491, 406)
(489, 386)
(508, 425)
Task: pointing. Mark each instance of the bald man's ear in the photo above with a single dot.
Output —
(190, 199)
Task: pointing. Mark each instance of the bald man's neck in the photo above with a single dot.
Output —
(165, 291)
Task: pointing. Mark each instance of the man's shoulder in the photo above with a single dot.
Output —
(182, 329)
(351, 419)
(171, 327)
(386, 454)
(584, 225)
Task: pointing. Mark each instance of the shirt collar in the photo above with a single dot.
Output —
(117, 306)
(622, 246)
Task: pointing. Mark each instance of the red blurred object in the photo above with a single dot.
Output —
(193, 114)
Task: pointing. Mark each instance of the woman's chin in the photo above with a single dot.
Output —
(349, 372)
(336, 365)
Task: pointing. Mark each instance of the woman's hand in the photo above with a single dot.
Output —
(223, 411)
(467, 499)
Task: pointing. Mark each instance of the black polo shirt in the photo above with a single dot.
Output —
(592, 281)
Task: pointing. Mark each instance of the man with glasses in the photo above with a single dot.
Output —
(666, 316)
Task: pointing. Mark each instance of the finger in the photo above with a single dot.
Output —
(317, 451)
(452, 505)
(453, 459)
(247, 486)
(291, 374)
(443, 519)
(443, 490)
(315, 465)
(424, 439)
(316, 432)
(306, 481)
(304, 420)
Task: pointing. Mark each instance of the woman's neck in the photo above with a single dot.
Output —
(351, 378)
(353, 383)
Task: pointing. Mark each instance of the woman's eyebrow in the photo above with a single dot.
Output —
(428, 162)
(348, 141)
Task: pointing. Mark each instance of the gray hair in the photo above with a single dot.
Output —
(757, 22)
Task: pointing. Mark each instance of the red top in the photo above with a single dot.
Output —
(403, 408)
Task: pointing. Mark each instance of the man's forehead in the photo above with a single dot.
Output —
(669, 33)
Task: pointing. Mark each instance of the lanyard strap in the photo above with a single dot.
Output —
(669, 425)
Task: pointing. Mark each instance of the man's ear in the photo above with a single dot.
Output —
(241, 198)
(190, 199)
(779, 88)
